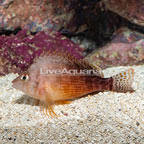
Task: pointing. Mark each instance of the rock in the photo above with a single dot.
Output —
(34, 15)
(17, 52)
(132, 10)
(126, 48)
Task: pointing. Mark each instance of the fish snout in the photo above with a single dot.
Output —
(16, 83)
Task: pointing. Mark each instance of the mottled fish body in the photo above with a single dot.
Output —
(57, 77)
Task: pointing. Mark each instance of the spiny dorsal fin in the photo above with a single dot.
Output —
(83, 64)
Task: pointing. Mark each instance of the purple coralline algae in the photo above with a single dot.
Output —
(17, 52)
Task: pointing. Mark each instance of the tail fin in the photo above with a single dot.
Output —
(122, 82)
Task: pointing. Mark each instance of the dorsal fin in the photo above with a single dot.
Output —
(83, 64)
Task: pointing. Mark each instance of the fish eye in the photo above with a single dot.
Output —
(24, 77)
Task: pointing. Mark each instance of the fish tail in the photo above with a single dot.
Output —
(122, 82)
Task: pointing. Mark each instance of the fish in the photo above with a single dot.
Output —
(59, 78)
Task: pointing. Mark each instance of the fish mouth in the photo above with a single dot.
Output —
(14, 83)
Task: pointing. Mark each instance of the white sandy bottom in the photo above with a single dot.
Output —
(106, 117)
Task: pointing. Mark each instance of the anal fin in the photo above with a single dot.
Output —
(62, 102)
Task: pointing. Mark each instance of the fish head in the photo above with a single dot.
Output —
(23, 83)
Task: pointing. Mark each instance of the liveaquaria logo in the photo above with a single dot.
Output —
(74, 72)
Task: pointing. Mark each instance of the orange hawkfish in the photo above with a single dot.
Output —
(57, 78)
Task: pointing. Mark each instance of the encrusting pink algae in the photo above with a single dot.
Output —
(17, 52)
